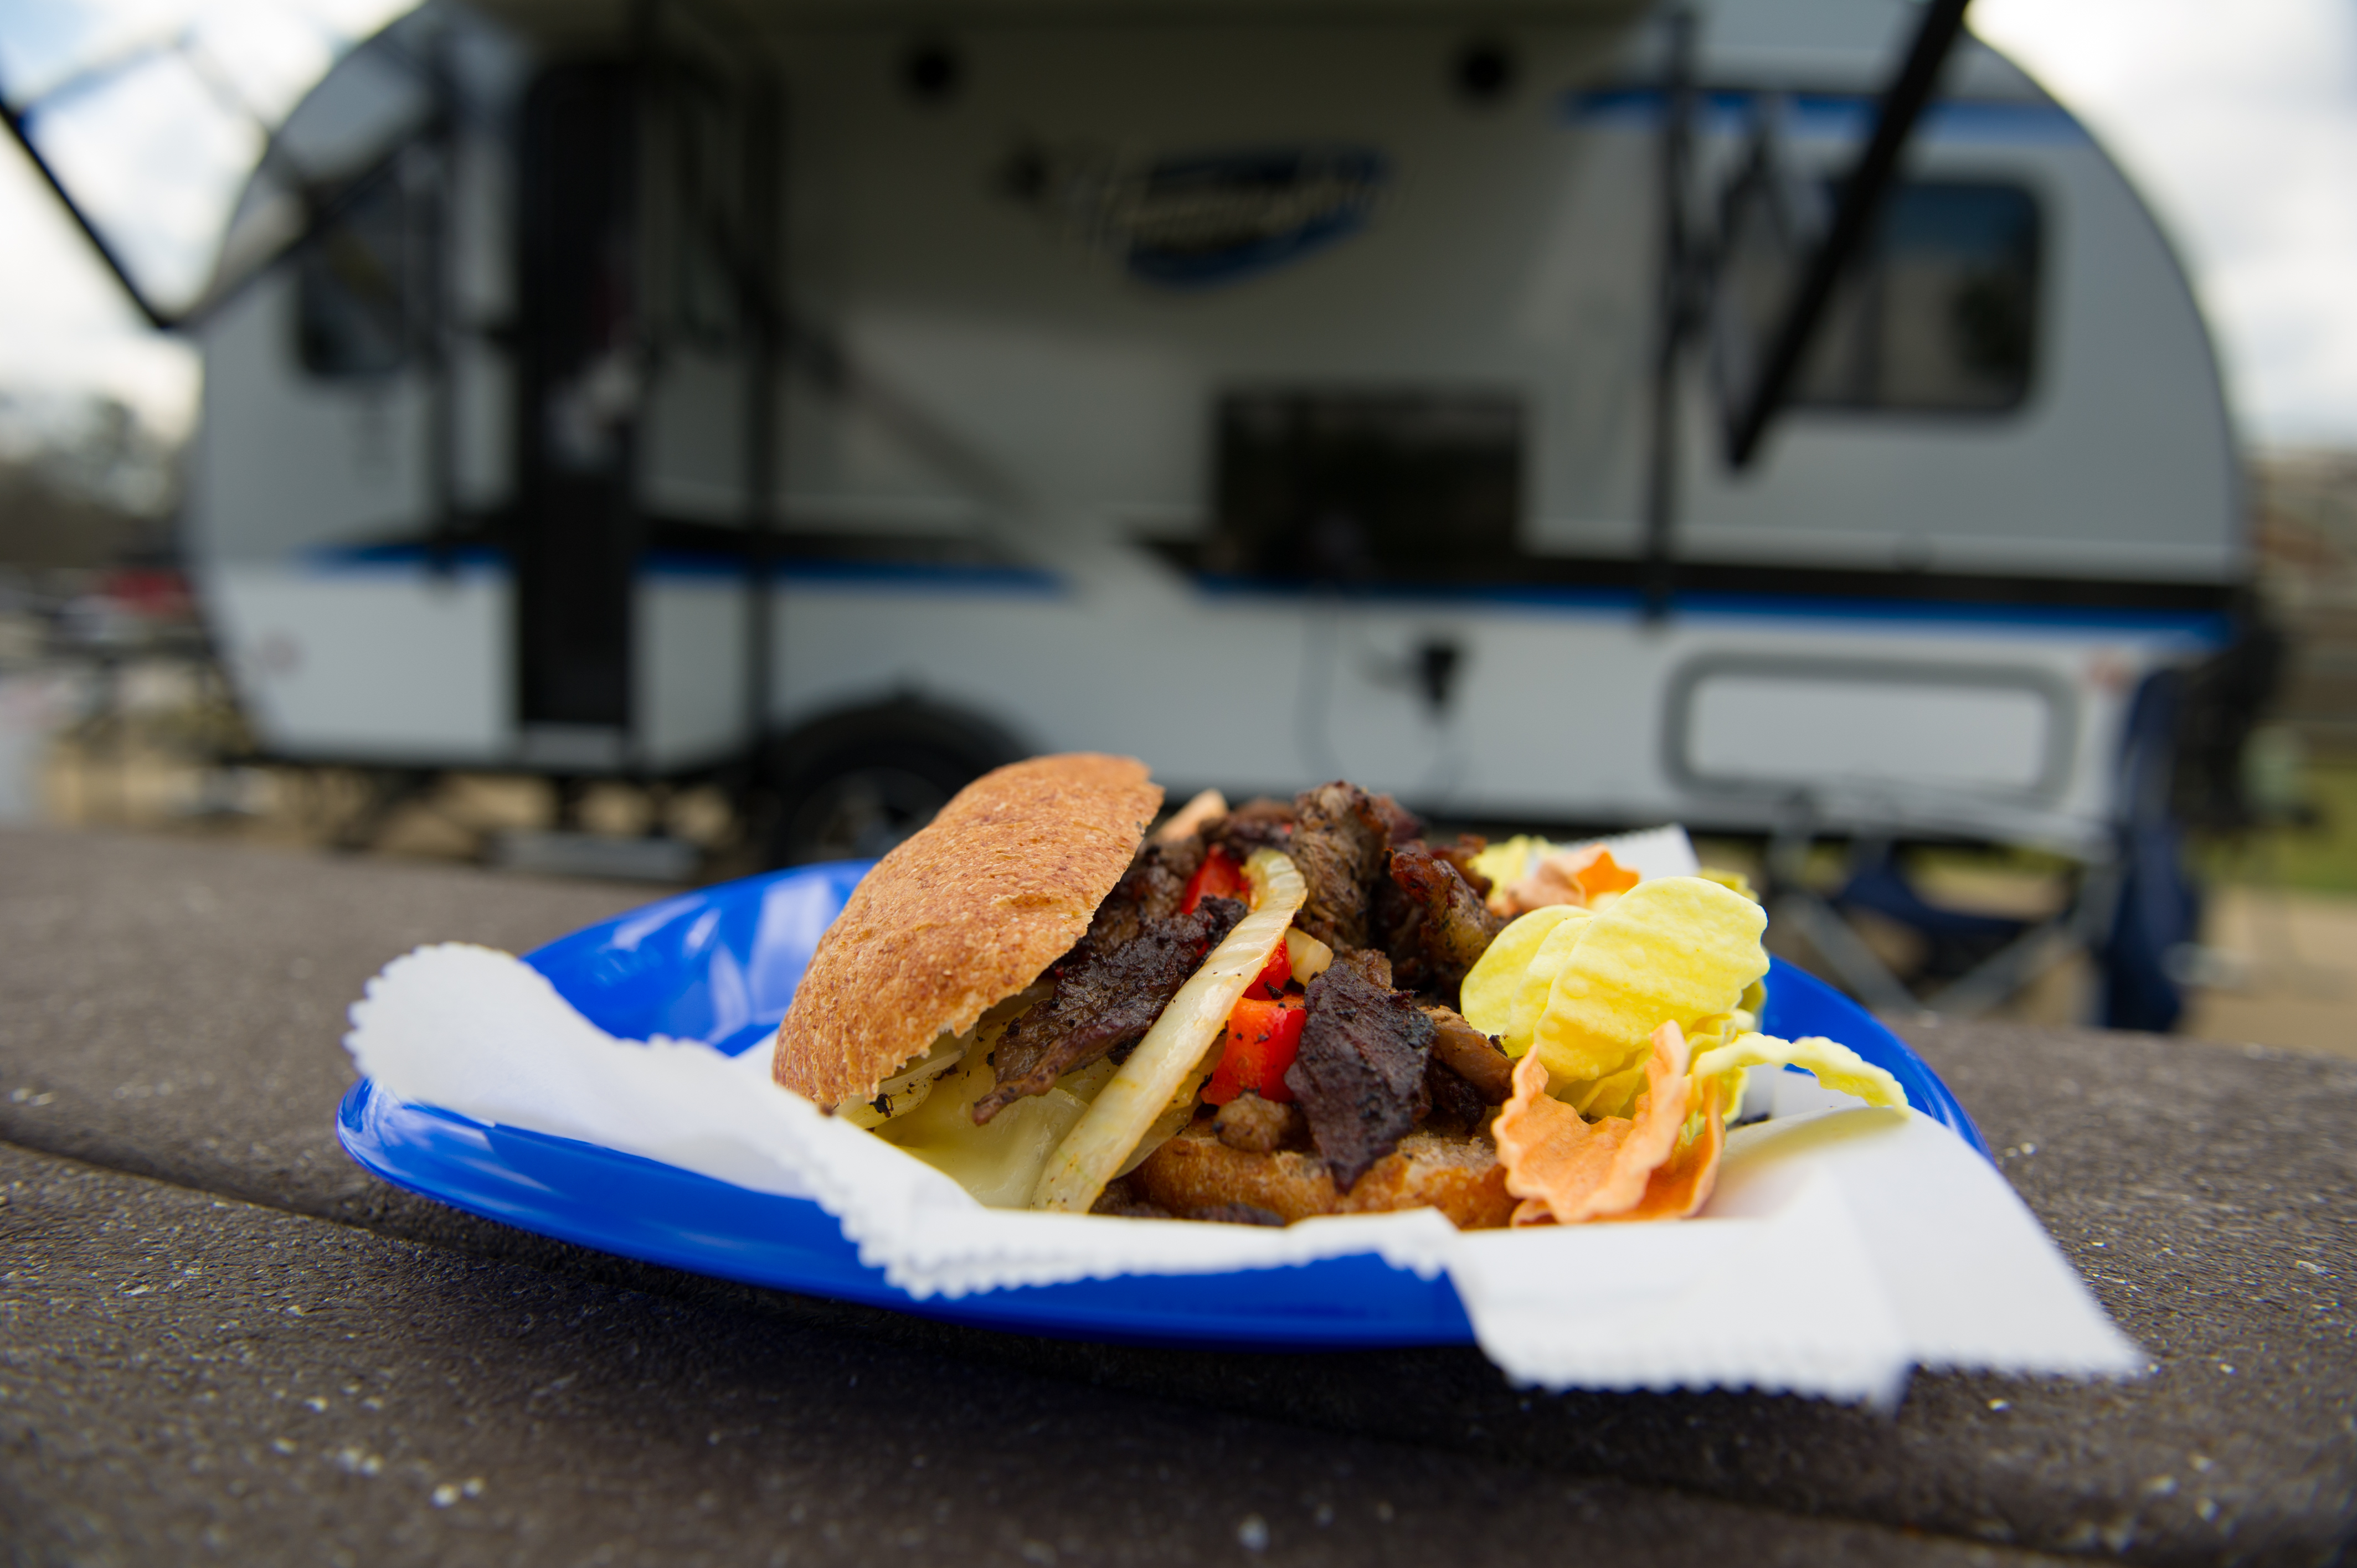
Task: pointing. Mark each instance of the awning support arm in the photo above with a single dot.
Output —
(1676, 307)
(157, 317)
(1870, 180)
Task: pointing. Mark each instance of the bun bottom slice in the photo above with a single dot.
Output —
(1033, 996)
(1197, 1173)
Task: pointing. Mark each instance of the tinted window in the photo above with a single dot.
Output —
(1357, 487)
(351, 287)
(1940, 315)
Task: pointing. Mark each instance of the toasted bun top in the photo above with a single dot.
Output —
(961, 917)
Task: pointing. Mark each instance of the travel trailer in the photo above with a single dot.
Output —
(836, 399)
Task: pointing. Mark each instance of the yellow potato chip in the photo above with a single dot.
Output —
(1704, 1034)
(1486, 998)
(1733, 880)
(1611, 1095)
(1673, 949)
(1836, 1065)
(1538, 984)
(1509, 862)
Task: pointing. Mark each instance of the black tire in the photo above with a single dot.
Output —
(851, 785)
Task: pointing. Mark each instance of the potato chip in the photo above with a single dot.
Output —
(1547, 884)
(1537, 985)
(1507, 862)
(1614, 1093)
(1611, 1095)
(1486, 999)
(1673, 950)
(1589, 877)
(1836, 1065)
(1572, 1170)
(1680, 1183)
(1597, 872)
(1734, 881)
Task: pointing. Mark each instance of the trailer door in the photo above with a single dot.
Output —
(576, 532)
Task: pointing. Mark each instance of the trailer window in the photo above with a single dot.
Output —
(1366, 487)
(1939, 315)
(353, 285)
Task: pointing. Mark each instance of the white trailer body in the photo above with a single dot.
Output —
(1265, 399)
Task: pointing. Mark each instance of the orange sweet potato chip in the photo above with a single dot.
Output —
(1569, 877)
(1602, 873)
(1547, 884)
(1680, 1183)
(1569, 1169)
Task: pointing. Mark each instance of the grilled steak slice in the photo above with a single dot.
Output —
(1360, 1074)
(1339, 842)
(1158, 878)
(1471, 1055)
(1121, 1197)
(1400, 825)
(1106, 998)
(1374, 967)
(1435, 925)
(1149, 890)
(1457, 1108)
(1460, 855)
(1262, 823)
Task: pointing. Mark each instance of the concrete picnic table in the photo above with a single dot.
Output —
(224, 1342)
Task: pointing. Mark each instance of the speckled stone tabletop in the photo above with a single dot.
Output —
(224, 1342)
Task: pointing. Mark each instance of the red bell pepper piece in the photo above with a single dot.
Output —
(1270, 983)
(1217, 878)
(1262, 1039)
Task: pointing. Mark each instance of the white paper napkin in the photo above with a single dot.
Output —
(1843, 1245)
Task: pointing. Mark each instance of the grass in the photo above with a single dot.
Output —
(2321, 858)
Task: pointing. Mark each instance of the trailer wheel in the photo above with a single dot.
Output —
(852, 786)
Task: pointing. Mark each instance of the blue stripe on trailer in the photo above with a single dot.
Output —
(1836, 116)
(911, 576)
(350, 560)
(2206, 627)
(407, 559)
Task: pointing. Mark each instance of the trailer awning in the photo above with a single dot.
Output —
(151, 121)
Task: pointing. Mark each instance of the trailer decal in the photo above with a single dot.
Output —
(1201, 219)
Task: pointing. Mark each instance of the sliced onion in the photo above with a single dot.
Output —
(908, 1089)
(1309, 957)
(1176, 1048)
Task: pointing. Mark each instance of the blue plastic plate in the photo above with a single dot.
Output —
(719, 965)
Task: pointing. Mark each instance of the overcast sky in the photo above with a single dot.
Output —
(2239, 121)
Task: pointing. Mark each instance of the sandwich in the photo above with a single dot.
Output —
(1288, 1009)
